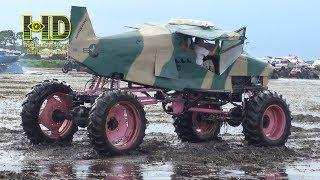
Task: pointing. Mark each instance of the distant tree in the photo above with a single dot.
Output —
(7, 38)
(19, 38)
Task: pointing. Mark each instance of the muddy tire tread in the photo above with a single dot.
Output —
(97, 120)
(254, 110)
(30, 111)
(185, 132)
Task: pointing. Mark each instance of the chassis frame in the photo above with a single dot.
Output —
(173, 103)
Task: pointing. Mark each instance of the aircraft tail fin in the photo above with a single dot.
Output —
(81, 27)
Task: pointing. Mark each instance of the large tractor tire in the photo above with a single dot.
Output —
(117, 123)
(193, 127)
(44, 111)
(314, 75)
(267, 120)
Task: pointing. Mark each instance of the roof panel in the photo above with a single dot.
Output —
(192, 22)
(208, 33)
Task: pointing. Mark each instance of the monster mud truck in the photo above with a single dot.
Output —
(147, 66)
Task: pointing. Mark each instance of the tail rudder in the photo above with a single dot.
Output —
(82, 35)
(81, 26)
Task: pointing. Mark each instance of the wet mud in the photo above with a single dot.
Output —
(162, 155)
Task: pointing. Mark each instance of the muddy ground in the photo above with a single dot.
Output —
(161, 155)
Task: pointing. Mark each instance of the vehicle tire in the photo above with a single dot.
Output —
(113, 114)
(67, 67)
(274, 75)
(281, 73)
(267, 120)
(65, 70)
(298, 76)
(235, 117)
(191, 127)
(44, 101)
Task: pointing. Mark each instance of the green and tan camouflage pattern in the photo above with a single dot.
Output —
(152, 55)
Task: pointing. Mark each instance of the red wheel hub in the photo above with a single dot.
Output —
(56, 102)
(274, 122)
(202, 127)
(123, 125)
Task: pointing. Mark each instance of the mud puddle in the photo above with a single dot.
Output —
(301, 170)
(162, 155)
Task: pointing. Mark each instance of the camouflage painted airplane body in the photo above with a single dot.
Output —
(152, 55)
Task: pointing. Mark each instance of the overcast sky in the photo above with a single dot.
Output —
(274, 27)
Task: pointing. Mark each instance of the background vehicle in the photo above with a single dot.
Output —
(316, 65)
(282, 63)
(8, 61)
(69, 66)
(295, 72)
(148, 66)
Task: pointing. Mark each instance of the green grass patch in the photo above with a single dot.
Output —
(42, 63)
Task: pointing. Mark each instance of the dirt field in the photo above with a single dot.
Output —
(162, 155)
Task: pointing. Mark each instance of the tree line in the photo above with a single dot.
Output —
(10, 40)
(13, 40)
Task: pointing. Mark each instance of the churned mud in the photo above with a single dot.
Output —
(162, 155)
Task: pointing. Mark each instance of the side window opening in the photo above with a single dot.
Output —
(187, 49)
(187, 43)
(207, 52)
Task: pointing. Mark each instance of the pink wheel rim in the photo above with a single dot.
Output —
(274, 122)
(201, 127)
(123, 125)
(50, 128)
